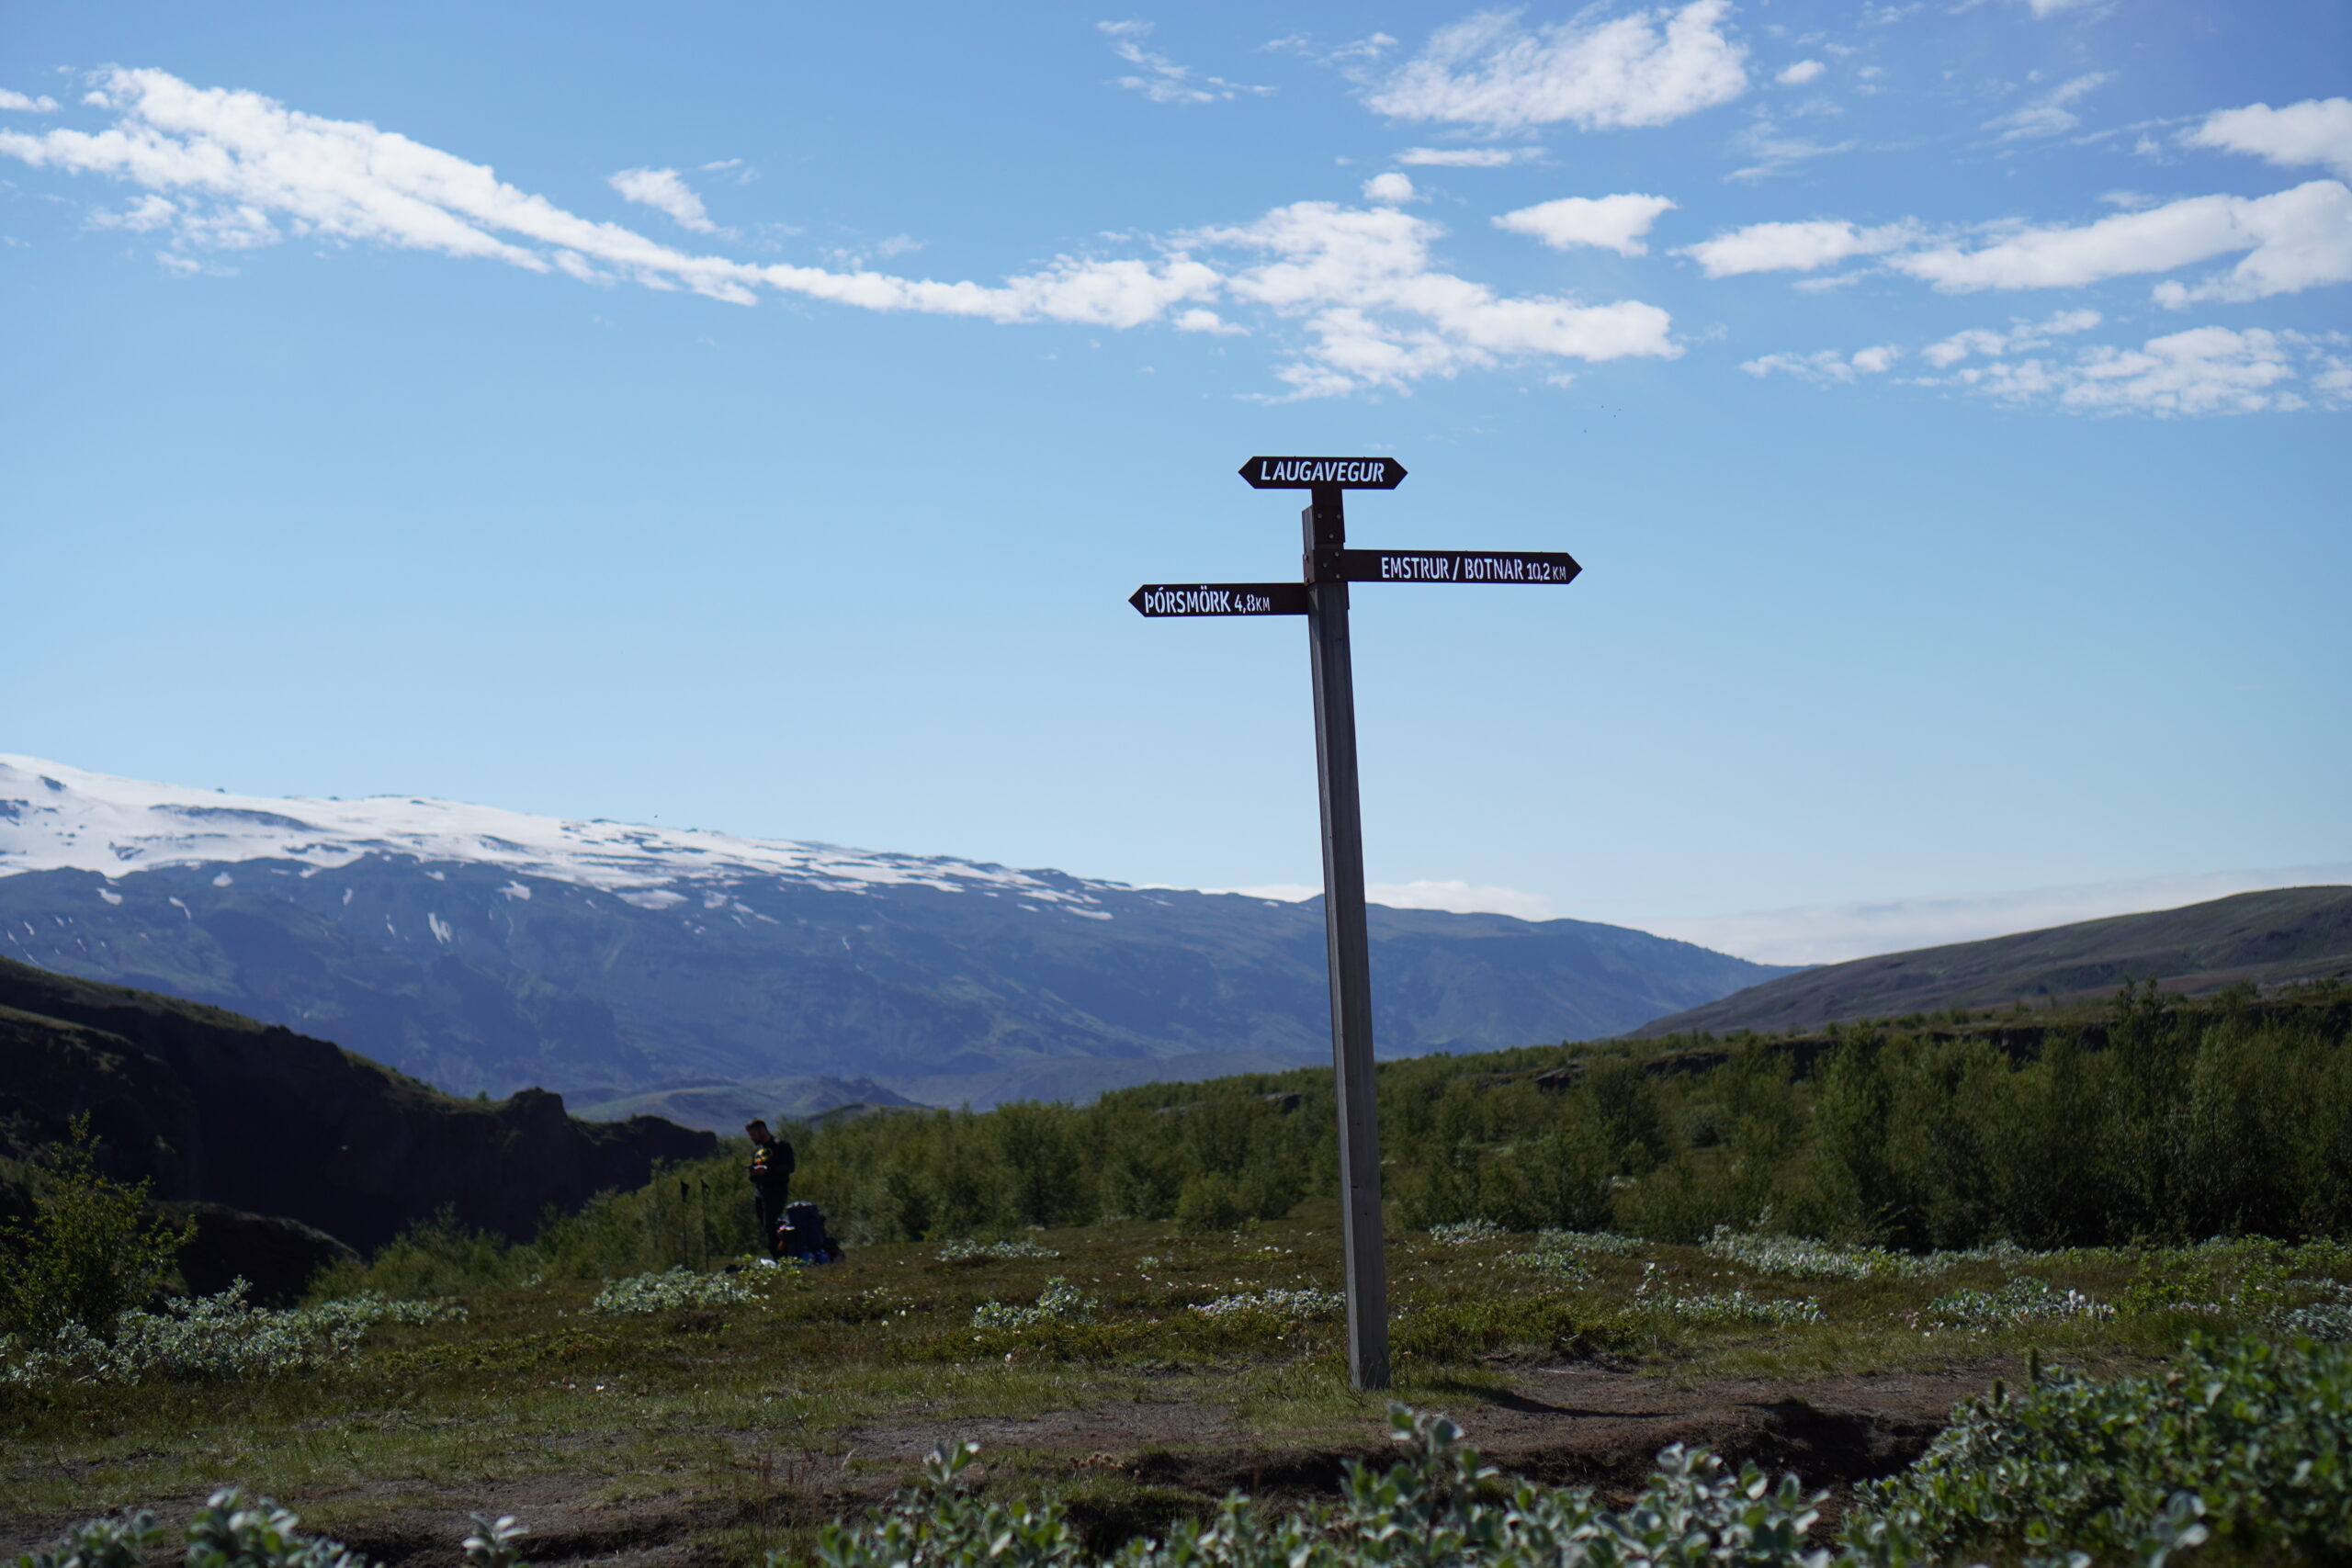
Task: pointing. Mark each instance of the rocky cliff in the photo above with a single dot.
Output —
(217, 1108)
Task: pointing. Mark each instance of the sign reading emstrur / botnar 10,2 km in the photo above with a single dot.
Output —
(1322, 598)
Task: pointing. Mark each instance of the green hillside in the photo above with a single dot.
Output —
(2263, 939)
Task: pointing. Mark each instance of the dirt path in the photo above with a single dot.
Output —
(1582, 1425)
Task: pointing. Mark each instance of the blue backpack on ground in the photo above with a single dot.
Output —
(801, 1235)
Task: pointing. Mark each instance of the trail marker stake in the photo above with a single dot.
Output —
(1322, 597)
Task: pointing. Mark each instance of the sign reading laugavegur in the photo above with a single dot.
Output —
(1310, 473)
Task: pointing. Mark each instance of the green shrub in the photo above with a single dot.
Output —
(1060, 1302)
(91, 1251)
(668, 1291)
(208, 1339)
(1276, 1304)
(231, 1531)
(2259, 1435)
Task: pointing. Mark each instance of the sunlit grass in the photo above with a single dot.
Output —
(683, 1401)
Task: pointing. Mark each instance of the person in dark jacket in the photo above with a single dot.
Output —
(771, 1173)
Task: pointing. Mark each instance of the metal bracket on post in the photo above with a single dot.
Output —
(1324, 526)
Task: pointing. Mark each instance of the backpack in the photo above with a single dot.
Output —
(801, 1235)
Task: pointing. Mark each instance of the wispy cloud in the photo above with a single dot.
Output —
(1798, 74)
(2205, 370)
(1382, 314)
(1607, 222)
(1828, 365)
(663, 191)
(1356, 291)
(1159, 78)
(735, 169)
(2049, 114)
(1351, 57)
(1644, 69)
(1467, 157)
(2020, 336)
(2293, 240)
(1796, 247)
(1831, 934)
(24, 105)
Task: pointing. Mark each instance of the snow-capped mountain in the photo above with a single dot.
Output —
(483, 948)
(56, 817)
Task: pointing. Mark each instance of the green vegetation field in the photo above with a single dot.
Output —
(1801, 1251)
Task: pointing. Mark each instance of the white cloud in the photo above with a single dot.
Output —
(1390, 189)
(1467, 157)
(1794, 247)
(23, 105)
(232, 170)
(1348, 57)
(2051, 8)
(1831, 934)
(2294, 240)
(663, 191)
(1611, 222)
(736, 168)
(1797, 76)
(2048, 115)
(149, 212)
(2204, 370)
(1644, 69)
(1775, 150)
(2317, 130)
(1383, 315)
(1163, 81)
(2018, 337)
(1827, 365)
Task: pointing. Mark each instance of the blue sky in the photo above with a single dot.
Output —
(756, 418)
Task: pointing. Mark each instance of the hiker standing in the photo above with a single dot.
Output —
(771, 1173)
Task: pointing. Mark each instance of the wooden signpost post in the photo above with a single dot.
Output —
(1322, 597)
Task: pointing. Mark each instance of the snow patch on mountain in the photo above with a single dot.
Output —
(56, 817)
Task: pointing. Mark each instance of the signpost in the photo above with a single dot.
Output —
(1322, 597)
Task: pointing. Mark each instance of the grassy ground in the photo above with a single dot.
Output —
(712, 1432)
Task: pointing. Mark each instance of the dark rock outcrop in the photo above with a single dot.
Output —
(276, 1255)
(215, 1107)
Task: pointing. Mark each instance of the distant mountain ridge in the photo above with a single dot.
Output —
(485, 950)
(2267, 938)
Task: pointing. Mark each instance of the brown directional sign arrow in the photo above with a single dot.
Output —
(1220, 599)
(1315, 473)
(1444, 566)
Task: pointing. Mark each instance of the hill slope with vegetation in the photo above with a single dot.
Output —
(1812, 1252)
(2262, 939)
(211, 1107)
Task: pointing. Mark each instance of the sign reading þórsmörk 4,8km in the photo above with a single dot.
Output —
(1222, 599)
(1322, 598)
